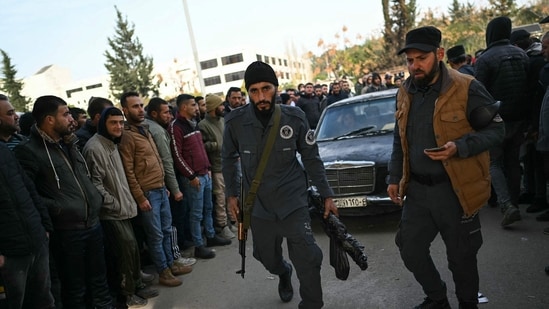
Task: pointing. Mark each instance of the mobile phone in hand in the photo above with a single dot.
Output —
(436, 149)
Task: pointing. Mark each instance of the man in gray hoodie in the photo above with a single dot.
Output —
(107, 173)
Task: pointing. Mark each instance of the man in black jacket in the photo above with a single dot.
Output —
(310, 104)
(503, 69)
(24, 232)
(52, 160)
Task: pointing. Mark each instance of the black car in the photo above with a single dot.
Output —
(355, 139)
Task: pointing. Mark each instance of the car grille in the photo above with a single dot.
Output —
(351, 180)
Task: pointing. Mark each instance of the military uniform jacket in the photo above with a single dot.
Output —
(283, 188)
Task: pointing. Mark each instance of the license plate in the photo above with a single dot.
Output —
(346, 202)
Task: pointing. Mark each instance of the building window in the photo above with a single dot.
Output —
(279, 61)
(273, 59)
(285, 62)
(232, 59)
(259, 58)
(287, 75)
(214, 80)
(94, 86)
(234, 76)
(266, 59)
(70, 92)
(208, 64)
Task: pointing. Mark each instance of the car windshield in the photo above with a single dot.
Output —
(357, 118)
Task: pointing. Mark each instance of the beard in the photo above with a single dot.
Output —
(264, 112)
(63, 130)
(428, 77)
(134, 118)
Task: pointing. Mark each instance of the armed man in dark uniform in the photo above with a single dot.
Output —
(280, 208)
(445, 123)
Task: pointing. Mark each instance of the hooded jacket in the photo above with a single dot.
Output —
(62, 179)
(24, 219)
(107, 172)
(503, 69)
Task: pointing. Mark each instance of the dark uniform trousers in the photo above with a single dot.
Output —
(303, 251)
(429, 210)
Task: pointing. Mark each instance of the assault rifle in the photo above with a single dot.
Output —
(242, 233)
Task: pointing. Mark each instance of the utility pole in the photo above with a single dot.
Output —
(193, 45)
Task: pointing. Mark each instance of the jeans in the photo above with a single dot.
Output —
(157, 224)
(80, 259)
(27, 280)
(200, 208)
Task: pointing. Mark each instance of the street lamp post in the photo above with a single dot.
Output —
(193, 45)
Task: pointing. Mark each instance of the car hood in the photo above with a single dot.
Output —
(376, 148)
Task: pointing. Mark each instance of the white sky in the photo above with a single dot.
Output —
(73, 33)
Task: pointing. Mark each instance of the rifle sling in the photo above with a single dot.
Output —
(250, 198)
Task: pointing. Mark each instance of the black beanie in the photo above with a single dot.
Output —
(259, 72)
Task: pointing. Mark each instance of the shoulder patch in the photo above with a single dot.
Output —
(497, 118)
(310, 137)
(286, 132)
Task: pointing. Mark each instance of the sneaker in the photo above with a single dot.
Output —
(180, 269)
(167, 278)
(482, 299)
(217, 241)
(429, 303)
(543, 217)
(147, 278)
(134, 301)
(227, 233)
(145, 292)
(204, 253)
(186, 261)
(285, 289)
(537, 206)
(511, 215)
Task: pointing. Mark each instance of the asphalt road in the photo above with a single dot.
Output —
(511, 264)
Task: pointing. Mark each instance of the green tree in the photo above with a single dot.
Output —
(399, 17)
(128, 68)
(11, 85)
(463, 24)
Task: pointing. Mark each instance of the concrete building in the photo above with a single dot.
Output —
(57, 81)
(225, 68)
(220, 70)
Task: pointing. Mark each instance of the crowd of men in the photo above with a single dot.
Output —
(91, 194)
(89, 200)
